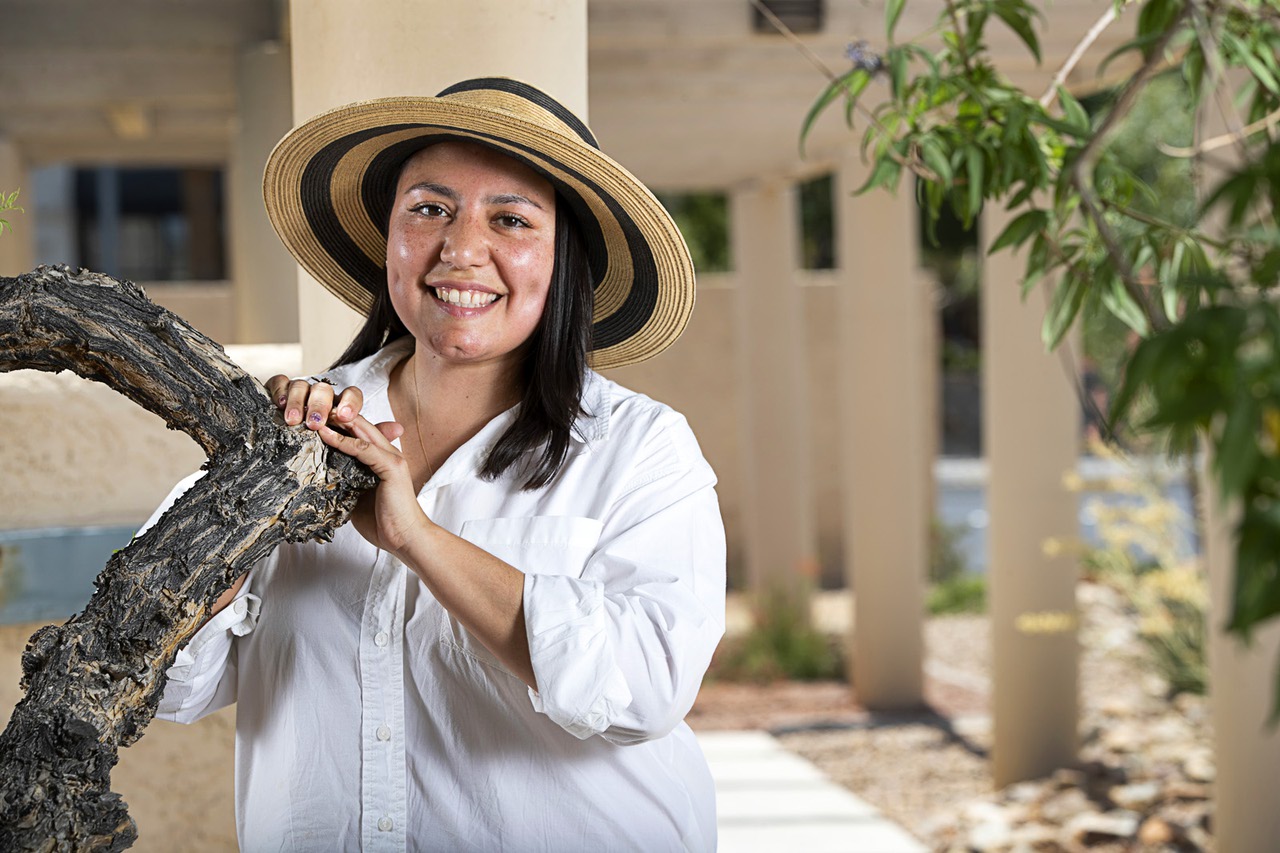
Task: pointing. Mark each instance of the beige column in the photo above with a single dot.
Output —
(777, 503)
(264, 277)
(1242, 679)
(344, 51)
(17, 246)
(887, 453)
(1242, 684)
(1031, 428)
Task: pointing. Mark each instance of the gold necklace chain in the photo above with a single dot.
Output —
(417, 414)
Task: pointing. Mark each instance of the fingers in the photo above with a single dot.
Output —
(370, 444)
(348, 405)
(313, 403)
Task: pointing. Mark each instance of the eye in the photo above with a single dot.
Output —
(430, 208)
(510, 220)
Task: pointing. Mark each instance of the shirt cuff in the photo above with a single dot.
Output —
(198, 666)
(579, 685)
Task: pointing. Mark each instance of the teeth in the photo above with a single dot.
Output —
(465, 298)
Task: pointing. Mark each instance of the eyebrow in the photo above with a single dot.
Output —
(452, 195)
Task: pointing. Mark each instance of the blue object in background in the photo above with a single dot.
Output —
(49, 573)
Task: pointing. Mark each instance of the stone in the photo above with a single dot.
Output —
(1069, 778)
(1135, 797)
(991, 835)
(1199, 766)
(1065, 805)
(1092, 827)
(1184, 790)
(1155, 832)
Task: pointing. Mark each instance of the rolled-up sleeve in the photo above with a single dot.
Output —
(621, 650)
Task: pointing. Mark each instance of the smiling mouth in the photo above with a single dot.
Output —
(466, 298)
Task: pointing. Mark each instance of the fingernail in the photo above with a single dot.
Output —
(292, 416)
(344, 412)
(281, 400)
(315, 417)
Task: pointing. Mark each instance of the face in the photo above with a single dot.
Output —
(470, 249)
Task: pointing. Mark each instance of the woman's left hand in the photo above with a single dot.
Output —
(389, 516)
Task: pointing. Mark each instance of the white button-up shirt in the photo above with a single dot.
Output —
(369, 719)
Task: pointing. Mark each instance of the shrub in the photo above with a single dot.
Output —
(1141, 557)
(782, 643)
(965, 593)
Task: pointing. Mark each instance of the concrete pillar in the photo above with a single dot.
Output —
(264, 277)
(1242, 679)
(343, 51)
(887, 454)
(17, 246)
(777, 503)
(1242, 683)
(1031, 430)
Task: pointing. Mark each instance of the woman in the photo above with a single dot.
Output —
(499, 651)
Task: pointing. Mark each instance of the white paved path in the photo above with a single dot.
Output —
(772, 801)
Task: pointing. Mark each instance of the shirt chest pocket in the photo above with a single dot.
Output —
(540, 545)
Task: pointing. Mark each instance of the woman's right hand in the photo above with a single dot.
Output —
(314, 402)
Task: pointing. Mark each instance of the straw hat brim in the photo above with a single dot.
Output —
(329, 182)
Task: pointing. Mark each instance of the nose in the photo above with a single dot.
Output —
(465, 244)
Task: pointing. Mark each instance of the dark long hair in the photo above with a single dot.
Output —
(554, 369)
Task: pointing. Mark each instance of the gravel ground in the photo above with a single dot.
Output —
(917, 766)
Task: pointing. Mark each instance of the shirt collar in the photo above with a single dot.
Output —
(592, 423)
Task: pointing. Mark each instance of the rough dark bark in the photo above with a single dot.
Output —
(92, 684)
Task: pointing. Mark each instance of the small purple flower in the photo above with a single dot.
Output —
(862, 56)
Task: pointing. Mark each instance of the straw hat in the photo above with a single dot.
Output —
(329, 182)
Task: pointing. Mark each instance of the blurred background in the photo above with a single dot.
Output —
(845, 371)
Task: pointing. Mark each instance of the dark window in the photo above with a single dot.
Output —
(800, 16)
(160, 224)
(817, 224)
(703, 219)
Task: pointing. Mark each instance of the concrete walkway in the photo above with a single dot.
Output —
(772, 800)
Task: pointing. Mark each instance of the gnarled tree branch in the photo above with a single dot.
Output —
(93, 684)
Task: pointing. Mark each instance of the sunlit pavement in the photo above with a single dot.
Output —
(769, 799)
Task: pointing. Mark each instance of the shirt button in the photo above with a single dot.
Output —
(240, 607)
(384, 733)
(384, 824)
(382, 638)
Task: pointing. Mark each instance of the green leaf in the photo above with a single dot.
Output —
(935, 157)
(1117, 299)
(1245, 53)
(1154, 19)
(897, 59)
(885, 173)
(851, 83)
(1073, 112)
(1015, 16)
(1067, 299)
(1237, 451)
(974, 165)
(892, 12)
(1020, 229)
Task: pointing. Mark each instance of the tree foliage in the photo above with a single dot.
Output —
(7, 203)
(1193, 275)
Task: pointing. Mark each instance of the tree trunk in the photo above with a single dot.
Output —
(92, 684)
